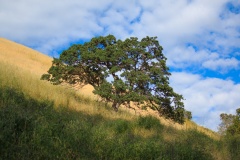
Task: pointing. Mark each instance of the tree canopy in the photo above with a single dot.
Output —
(121, 72)
(230, 124)
(230, 131)
(226, 122)
(234, 128)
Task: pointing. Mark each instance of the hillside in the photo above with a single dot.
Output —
(21, 69)
(27, 59)
(37, 63)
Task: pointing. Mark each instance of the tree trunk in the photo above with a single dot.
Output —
(115, 106)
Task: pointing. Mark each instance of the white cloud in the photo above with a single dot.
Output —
(206, 97)
(183, 57)
(178, 21)
(222, 65)
(174, 22)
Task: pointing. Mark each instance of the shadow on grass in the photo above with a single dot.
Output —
(36, 130)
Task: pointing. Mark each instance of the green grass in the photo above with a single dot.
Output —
(32, 129)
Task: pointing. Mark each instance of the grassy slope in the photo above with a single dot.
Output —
(21, 68)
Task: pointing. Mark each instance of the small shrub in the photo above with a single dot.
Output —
(149, 122)
(121, 126)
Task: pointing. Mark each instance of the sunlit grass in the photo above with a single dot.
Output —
(31, 84)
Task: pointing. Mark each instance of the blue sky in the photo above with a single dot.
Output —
(201, 40)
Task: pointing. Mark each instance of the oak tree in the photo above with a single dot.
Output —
(121, 72)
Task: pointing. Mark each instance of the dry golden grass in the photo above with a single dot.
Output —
(23, 57)
(29, 60)
(22, 67)
(167, 122)
(146, 133)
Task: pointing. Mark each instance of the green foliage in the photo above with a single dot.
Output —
(121, 126)
(230, 127)
(137, 68)
(233, 136)
(233, 145)
(188, 115)
(149, 122)
(234, 128)
(226, 122)
(35, 130)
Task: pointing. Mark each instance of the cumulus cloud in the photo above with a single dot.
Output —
(188, 57)
(207, 98)
(173, 22)
(222, 65)
(37, 23)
